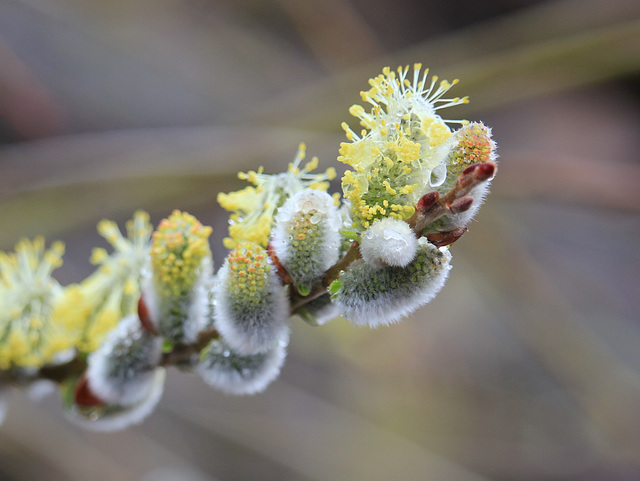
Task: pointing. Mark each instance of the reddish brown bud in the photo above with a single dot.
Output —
(280, 269)
(469, 170)
(441, 239)
(145, 317)
(83, 396)
(427, 201)
(461, 205)
(485, 171)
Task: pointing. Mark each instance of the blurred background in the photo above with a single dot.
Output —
(525, 367)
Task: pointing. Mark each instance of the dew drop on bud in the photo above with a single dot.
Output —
(316, 218)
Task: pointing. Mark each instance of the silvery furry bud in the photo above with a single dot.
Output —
(122, 369)
(251, 305)
(305, 237)
(117, 417)
(233, 373)
(389, 242)
(375, 296)
(175, 286)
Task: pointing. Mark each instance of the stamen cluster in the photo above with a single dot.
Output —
(397, 157)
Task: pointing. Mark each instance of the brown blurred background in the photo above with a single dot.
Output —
(526, 366)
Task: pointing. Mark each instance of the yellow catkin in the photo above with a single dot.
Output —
(29, 334)
(178, 247)
(394, 156)
(254, 206)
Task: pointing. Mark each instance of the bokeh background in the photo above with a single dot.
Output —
(525, 367)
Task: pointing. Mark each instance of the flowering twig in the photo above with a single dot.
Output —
(156, 301)
(429, 208)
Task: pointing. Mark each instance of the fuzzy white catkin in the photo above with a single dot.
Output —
(469, 145)
(116, 418)
(121, 370)
(389, 242)
(306, 236)
(251, 322)
(193, 308)
(233, 373)
(370, 296)
(199, 312)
